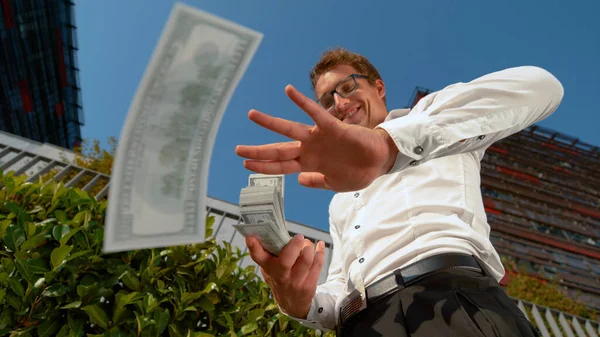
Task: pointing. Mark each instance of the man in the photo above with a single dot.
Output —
(411, 250)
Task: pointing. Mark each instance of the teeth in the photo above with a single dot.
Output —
(350, 114)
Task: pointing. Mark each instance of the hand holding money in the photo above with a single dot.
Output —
(261, 208)
(293, 275)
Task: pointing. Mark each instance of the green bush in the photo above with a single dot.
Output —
(55, 280)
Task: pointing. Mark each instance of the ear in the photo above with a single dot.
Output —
(380, 87)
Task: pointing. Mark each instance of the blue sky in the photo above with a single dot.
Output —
(426, 43)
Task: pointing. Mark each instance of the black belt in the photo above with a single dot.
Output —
(403, 277)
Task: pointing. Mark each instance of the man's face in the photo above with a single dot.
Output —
(365, 107)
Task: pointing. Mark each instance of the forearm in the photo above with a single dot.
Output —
(471, 116)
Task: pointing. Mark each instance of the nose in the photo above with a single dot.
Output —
(340, 102)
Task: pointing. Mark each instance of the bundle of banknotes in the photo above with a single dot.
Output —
(261, 208)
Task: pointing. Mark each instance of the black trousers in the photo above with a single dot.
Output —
(458, 303)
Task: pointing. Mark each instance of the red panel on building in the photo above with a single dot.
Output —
(517, 174)
(7, 14)
(555, 147)
(25, 96)
(492, 210)
(59, 109)
(586, 211)
(497, 149)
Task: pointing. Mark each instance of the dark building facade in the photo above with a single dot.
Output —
(541, 193)
(40, 97)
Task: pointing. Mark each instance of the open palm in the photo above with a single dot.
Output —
(331, 154)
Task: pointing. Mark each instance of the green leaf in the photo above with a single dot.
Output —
(248, 328)
(200, 334)
(131, 281)
(65, 238)
(174, 331)
(97, 315)
(48, 327)
(72, 305)
(78, 254)
(8, 264)
(61, 216)
(31, 229)
(6, 318)
(64, 331)
(13, 208)
(24, 270)
(255, 315)
(75, 326)
(55, 290)
(142, 322)
(37, 266)
(13, 301)
(2, 294)
(16, 286)
(161, 319)
(206, 305)
(121, 300)
(3, 226)
(59, 255)
(229, 320)
(14, 237)
(33, 242)
(187, 298)
(59, 231)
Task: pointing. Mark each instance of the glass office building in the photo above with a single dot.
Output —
(541, 193)
(40, 98)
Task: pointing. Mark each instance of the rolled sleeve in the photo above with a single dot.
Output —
(471, 116)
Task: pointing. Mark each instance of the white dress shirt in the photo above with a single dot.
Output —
(430, 203)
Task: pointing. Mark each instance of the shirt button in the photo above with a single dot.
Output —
(414, 163)
(320, 310)
(357, 227)
(481, 137)
(362, 259)
(418, 150)
(356, 194)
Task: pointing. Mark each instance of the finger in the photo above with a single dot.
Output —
(289, 254)
(276, 151)
(313, 180)
(314, 272)
(281, 126)
(273, 167)
(258, 254)
(304, 261)
(321, 117)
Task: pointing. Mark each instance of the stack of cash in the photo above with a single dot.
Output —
(261, 208)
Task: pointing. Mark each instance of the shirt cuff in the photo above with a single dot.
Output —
(317, 318)
(415, 136)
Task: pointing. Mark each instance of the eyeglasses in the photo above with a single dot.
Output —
(346, 88)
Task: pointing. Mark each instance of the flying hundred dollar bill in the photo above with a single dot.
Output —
(157, 195)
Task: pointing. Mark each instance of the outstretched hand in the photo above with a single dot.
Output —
(331, 154)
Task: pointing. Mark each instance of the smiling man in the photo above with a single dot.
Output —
(411, 249)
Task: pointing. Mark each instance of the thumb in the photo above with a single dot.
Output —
(257, 252)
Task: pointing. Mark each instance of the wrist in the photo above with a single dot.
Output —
(391, 151)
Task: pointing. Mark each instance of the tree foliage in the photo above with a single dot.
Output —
(55, 280)
(548, 293)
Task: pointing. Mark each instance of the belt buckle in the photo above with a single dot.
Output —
(351, 305)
